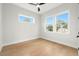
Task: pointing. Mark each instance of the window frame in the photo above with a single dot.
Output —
(54, 26)
(68, 19)
(26, 17)
(46, 24)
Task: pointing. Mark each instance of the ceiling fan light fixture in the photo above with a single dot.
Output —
(37, 6)
(38, 9)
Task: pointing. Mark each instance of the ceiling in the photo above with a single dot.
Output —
(43, 8)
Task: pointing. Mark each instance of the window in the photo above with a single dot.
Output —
(62, 23)
(50, 22)
(58, 23)
(28, 19)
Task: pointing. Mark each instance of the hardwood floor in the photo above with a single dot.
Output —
(38, 47)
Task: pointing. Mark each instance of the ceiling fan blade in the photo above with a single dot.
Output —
(36, 4)
(33, 4)
(41, 3)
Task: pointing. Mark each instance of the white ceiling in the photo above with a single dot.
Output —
(43, 8)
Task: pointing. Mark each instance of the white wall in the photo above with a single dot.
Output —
(0, 27)
(15, 32)
(78, 25)
(69, 39)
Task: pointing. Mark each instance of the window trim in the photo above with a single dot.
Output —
(46, 24)
(54, 26)
(68, 19)
(27, 17)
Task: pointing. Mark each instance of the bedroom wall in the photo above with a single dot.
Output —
(69, 39)
(13, 30)
(0, 26)
(78, 26)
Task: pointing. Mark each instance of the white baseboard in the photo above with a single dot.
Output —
(27, 39)
(59, 42)
(31, 38)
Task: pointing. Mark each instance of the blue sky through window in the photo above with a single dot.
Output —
(50, 20)
(31, 19)
(24, 18)
(63, 17)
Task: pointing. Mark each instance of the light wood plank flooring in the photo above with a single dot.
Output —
(38, 47)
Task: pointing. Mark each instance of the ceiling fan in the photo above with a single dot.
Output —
(37, 5)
